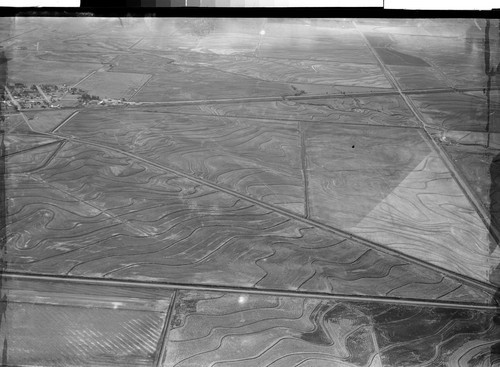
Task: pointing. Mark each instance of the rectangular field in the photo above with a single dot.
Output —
(114, 85)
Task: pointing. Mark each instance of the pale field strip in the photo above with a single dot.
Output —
(462, 183)
(114, 84)
(269, 292)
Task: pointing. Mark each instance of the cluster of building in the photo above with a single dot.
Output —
(22, 96)
(18, 96)
(106, 102)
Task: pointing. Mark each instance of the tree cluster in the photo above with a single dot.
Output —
(85, 97)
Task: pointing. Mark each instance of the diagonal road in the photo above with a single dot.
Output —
(286, 213)
(405, 95)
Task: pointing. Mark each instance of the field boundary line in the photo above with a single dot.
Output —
(161, 347)
(389, 92)
(462, 183)
(64, 121)
(235, 289)
(141, 87)
(344, 234)
(84, 78)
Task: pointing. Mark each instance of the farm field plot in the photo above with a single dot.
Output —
(24, 67)
(219, 44)
(309, 72)
(54, 35)
(340, 32)
(180, 83)
(114, 85)
(476, 164)
(138, 62)
(458, 72)
(134, 220)
(216, 36)
(14, 123)
(75, 56)
(49, 44)
(291, 71)
(456, 111)
(388, 185)
(96, 43)
(166, 43)
(46, 121)
(196, 27)
(316, 49)
(256, 158)
(81, 324)
(191, 75)
(274, 329)
(372, 110)
(17, 143)
(69, 100)
(412, 77)
(266, 161)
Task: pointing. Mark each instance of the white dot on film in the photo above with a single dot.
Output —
(262, 32)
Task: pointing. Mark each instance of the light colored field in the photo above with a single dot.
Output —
(18, 143)
(15, 123)
(114, 85)
(46, 121)
(309, 76)
(25, 67)
(69, 100)
(386, 184)
(191, 83)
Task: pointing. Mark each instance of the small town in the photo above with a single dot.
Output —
(20, 96)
